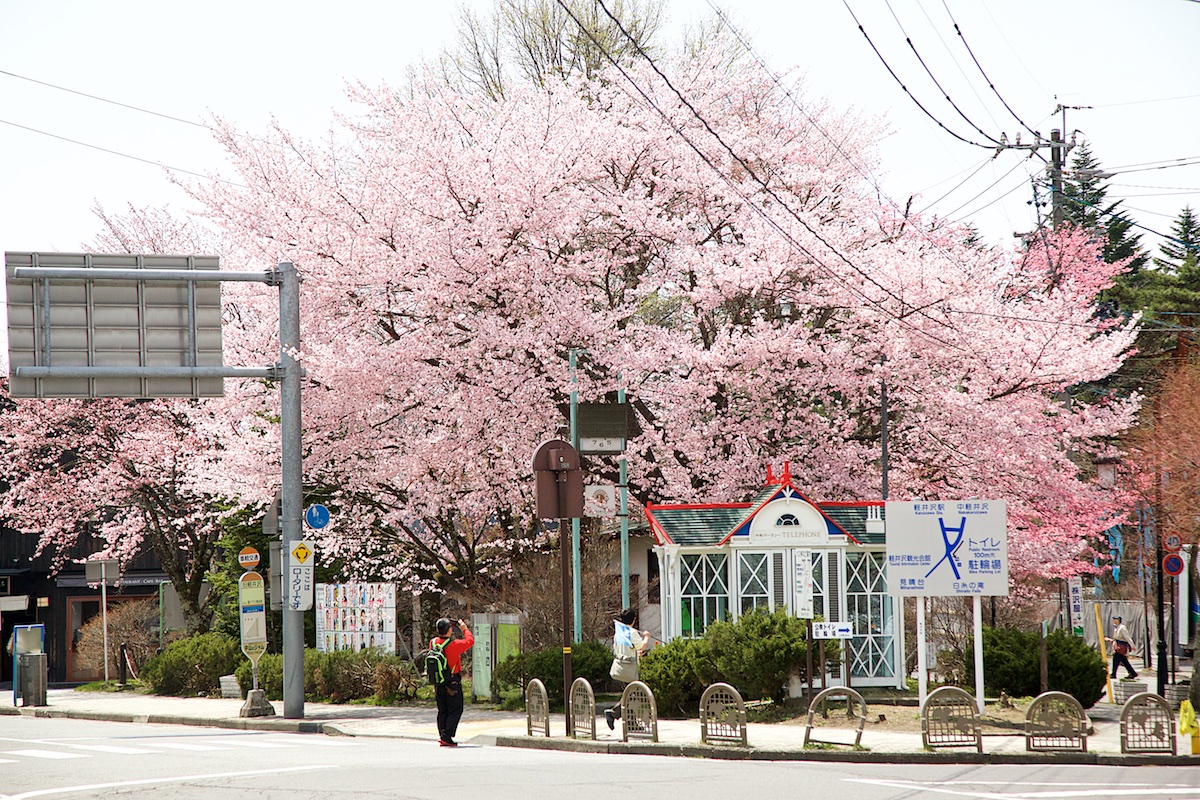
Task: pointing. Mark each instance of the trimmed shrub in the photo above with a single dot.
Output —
(1010, 664)
(589, 660)
(339, 677)
(193, 665)
(757, 655)
(670, 672)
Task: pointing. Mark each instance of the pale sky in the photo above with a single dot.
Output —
(1134, 61)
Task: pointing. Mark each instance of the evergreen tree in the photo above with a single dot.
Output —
(1184, 244)
(1085, 204)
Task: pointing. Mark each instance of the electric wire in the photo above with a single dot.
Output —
(936, 82)
(104, 100)
(956, 187)
(988, 189)
(990, 84)
(761, 212)
(779, 84)
(1117, 214)
(892, 72)
(123, 155)
(970, 84)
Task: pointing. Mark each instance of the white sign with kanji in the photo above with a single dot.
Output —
(947, 548)
(298, 581)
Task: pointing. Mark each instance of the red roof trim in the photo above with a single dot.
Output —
(786, 483)
(854, 503)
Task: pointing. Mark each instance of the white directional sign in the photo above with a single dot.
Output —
(299, 577)
(1075, 598)
(804, 584)
(947, 548)
(832, 630)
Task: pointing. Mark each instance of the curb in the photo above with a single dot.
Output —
(697, 750)
(844, 756)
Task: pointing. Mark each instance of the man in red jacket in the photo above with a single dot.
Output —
(449, 694)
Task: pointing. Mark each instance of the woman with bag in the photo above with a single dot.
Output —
(1122, 644)
(628, 644)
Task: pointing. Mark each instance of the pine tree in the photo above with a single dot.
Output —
(1085, 204)
(1184, 244)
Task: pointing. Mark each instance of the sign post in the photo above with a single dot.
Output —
(102, 571)
(948, 548)
(252, 613)
(558, 486)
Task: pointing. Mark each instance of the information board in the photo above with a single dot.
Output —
(947, 548)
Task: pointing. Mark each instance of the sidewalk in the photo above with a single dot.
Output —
(508, 729)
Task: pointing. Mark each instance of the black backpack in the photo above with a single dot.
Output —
(437, 669)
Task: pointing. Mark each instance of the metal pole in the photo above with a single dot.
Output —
(624, 480)
(104, 608)
(566, 599)
(577, 586)
(292, 458)
(1056, 177)
(883, 433)
(922, 666)
(978, 621)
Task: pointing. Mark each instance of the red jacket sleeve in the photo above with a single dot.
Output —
(456, 648)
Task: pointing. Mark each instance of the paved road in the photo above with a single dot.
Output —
(62, 758)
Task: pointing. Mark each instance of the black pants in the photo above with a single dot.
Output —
(449, 698)
(1120, 659)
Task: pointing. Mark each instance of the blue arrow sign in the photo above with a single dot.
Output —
(317, 516)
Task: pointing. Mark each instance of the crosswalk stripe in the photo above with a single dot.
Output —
(44, 754)
(110, 748)
(317, 740)
(188, 746)
(256, 742)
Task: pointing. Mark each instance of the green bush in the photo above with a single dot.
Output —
(757, 655)
(193, 665)
(1011, 664)
(670, 672)
(589, 660)
(339, 676)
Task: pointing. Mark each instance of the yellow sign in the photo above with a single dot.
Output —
(301, 553)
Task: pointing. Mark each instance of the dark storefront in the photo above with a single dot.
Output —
(30, 595)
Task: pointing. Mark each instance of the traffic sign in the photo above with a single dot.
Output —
(832, 630)
(248, 558)
(1172, 542)
(253, 615)
(302, 559)
(317, 516)
(1173, 564)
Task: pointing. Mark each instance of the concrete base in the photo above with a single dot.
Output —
(256, 705)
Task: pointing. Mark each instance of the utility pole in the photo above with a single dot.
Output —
(1057, 157)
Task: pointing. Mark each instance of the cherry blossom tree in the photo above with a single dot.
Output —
(721, 259)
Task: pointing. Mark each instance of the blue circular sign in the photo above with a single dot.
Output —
(1173, 564)
(317, 516)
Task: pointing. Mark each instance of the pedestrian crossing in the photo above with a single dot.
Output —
(66, 749)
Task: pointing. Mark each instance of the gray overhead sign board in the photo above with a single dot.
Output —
(71, 322)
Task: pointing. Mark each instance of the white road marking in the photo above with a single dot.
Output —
(188, 746)
(304, 740)
(247, 741)
(151, 781)
(43, 754)
(1017, 791)
(110, 748)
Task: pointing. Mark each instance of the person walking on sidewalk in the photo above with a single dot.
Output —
(628, 645)
(449, 693)
(1122, 644)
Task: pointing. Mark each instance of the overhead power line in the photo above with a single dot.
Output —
(122, 155)
(936, 82)
(105, 100)
(912, 97)
(990, 84)
(750, 204)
